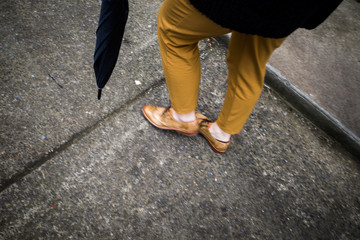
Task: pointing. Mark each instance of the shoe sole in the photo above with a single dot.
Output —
(167, 128)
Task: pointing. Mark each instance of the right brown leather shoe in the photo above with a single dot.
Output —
(162, 118)
(217, 146)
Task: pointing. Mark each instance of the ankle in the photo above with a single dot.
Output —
(187, 117)
(218, 133)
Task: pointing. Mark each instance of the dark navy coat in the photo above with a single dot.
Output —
(267, 18)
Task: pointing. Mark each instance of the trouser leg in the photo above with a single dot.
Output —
(180, 27)
(247, 58)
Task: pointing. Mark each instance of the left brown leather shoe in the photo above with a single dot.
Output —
(162, 118)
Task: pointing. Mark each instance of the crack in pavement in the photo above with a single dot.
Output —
(76, 137)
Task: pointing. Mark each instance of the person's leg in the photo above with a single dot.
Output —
(180, 27)
(247, 58)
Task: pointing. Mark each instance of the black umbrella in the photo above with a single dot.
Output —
(109, 34)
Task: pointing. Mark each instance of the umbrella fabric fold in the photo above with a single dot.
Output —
(109, 34)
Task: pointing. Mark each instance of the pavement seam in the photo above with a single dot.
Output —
(76, 137)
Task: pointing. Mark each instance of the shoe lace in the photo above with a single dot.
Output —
(202, 120)
(205, 120)
(166, 110)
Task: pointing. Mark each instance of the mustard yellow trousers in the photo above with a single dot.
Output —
(180, 27)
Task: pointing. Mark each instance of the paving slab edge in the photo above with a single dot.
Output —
(307, 107)
(76, 137)
(317, 115)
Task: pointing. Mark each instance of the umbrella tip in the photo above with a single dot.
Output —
(99, 94)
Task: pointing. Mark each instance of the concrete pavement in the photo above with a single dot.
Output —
(325, 64)
(73, 167)
(318, 72)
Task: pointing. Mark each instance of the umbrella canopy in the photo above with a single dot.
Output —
(109, 34)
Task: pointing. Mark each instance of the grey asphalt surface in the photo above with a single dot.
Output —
(73, 167)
